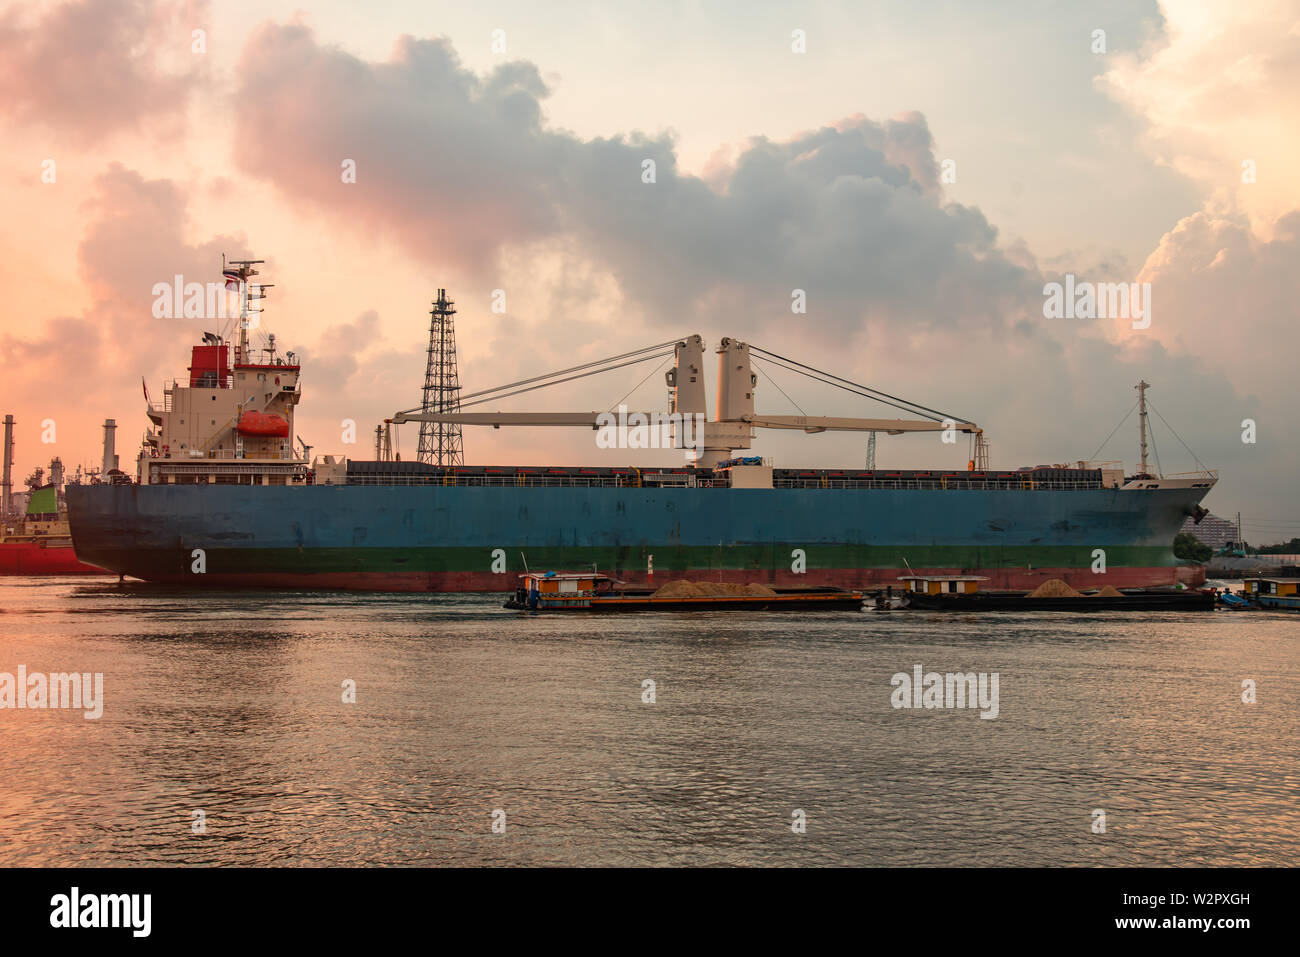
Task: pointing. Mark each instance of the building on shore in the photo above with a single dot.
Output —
(1213, 531)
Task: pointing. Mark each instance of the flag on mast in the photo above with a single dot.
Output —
(232, 278)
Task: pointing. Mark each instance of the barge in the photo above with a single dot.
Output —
(592, 592)
(961, 593)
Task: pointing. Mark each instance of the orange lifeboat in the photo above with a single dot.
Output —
(263, 423)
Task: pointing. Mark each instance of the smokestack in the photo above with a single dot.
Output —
(110, 444)
(6, 487)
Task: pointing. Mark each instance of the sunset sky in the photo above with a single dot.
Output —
(1168, 159)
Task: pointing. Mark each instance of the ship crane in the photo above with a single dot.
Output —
(731, 427)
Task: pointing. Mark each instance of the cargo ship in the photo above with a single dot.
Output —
(222, 498)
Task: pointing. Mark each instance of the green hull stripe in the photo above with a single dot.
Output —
(668, 558)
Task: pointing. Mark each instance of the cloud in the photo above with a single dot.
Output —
(447, 162)
(135, 237)
(90, 68)
(1220, 85)
(336, 359)
(460, 168)
(1222, 292)
(66, 340)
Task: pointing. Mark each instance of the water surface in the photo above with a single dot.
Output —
(231, 703)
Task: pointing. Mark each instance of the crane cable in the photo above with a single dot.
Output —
(859, 389)
(638, 385)
(781, 390)
(865, 391)
(545, 385)
(487, 395)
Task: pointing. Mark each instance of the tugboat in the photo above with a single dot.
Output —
(1278, 593)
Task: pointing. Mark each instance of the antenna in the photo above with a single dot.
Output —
(241, 269)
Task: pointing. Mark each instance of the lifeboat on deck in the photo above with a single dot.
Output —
(263, 424)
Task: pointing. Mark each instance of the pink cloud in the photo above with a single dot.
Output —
(90, 68)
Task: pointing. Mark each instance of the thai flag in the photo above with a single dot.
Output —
(232, 279)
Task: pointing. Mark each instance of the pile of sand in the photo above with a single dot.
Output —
(719, 588)
(686, 589)
(1054, 588)
(1109, 591)
(677, 589)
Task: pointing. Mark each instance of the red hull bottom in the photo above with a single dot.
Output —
(863, 579)
(26, 558)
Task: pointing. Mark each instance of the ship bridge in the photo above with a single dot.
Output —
(231, 421)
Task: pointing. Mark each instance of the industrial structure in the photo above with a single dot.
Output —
(441, 442)
(7, 483)
(35, 539)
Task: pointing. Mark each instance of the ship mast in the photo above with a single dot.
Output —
(1142, 387)
(242, 269)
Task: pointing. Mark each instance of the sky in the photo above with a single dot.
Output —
(921, 170)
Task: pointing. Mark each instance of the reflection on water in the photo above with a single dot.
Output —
(232, 704)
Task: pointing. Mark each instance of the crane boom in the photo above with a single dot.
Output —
(730, 427)
(824, 423)
(498, 419)
(591, 420)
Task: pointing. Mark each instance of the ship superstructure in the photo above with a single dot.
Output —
(230, 421)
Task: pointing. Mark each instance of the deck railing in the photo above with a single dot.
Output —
(616, 481)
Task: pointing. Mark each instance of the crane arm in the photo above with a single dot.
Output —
(823, 423)
(592, 420)
(497, 419)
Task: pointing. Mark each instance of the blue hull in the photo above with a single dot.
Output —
(453, 538)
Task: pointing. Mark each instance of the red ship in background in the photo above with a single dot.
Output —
(37, 541)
